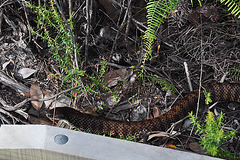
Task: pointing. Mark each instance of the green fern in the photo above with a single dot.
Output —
(163, 83)
(234, 71)
(157, 10)
(199, 1)
(232, 6)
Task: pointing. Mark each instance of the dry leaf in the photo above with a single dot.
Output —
(36, 120)
(194, 146)
(4, 65)
(26, 72)
(36, 93)
(171, 146)
(113, 77)
(48, 95)
(61, 101)
(161, 134)
(187, 123)
(156, 111)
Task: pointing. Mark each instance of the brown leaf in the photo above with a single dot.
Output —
(113, 77)
(193, 18)
(156, 111)
(36, 120)
(194, 146)
(36, 93)
(161, 134)
(47, 95)
(45, 92)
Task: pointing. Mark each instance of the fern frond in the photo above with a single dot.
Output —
(199, 1)
(157, 10)
(163, 83)
(234, 71)
(232, 6)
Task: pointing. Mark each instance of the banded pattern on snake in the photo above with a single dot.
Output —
(218, 92)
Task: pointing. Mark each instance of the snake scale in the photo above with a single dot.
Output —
(218, 92)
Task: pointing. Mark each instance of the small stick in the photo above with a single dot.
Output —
(188, 78)
(129, 20)
(70, 7)
(223, 77)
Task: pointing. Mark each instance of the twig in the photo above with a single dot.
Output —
(122, 34)
(223, 77)
(8, 114)
(212, 105)
(140, 24)
(4, 3)
(129, 11)
(180, 94)
(17, 106)
(70, 7)
(200, 80)
(119, 29)
(13, 84)
(88, 17)
(133, 19)
(28, 23)
(74, 40)
(4, 119)
(174, 124)
(1, 18)
(188, 77)
(10, 23)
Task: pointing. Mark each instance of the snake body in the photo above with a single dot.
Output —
(218, 92)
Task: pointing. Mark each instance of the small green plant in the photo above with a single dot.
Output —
(97, 80)
(208, 99)
(51, 28)
(130, 138)
(212, 133)
(154, 79)
(165, 84)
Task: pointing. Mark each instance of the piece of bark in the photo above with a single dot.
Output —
(5, 80)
